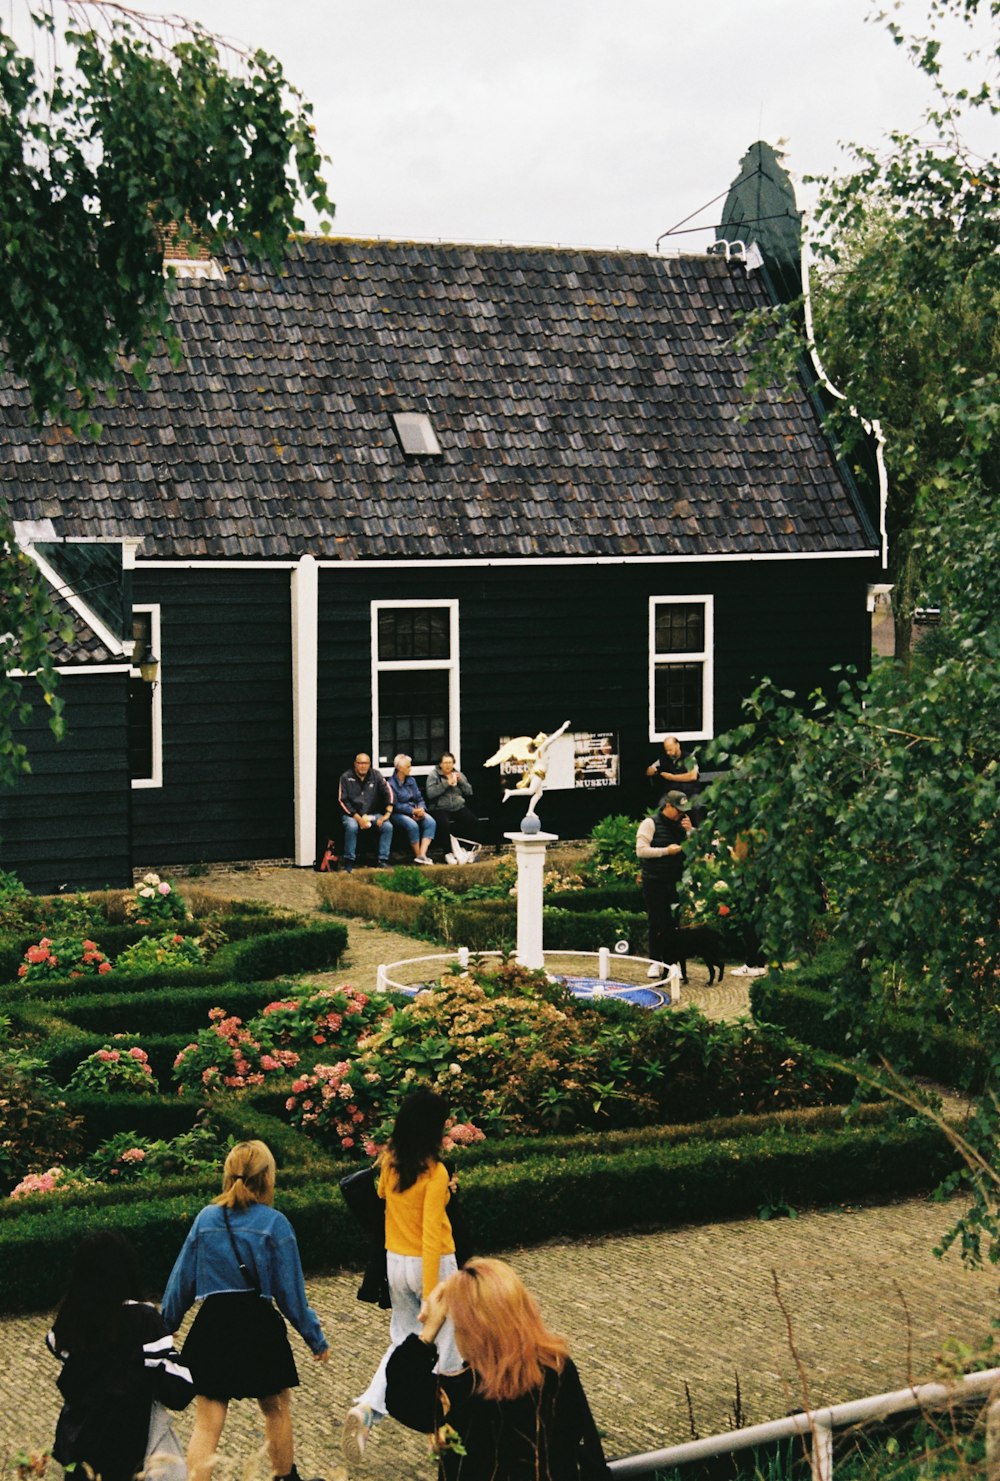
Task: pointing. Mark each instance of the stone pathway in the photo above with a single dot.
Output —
(645, 1314)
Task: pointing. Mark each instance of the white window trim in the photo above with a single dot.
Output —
(396, 665)
(156, 780)
(705, 656)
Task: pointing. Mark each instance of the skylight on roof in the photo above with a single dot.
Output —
(416, 436)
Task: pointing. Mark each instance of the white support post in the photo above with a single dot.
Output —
(604, 964)
(674, 982)
(821, 1454)
(305, 703)
(463, 957)
(380, 980)
(529, 849)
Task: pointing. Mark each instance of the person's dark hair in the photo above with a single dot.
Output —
(416, 1135)
(447, 756)
(104, 1276)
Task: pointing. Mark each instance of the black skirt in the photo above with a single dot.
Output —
(237, 1348)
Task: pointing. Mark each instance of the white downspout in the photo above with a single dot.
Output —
(305, 703)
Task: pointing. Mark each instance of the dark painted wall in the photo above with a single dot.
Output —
(544, 645)
(225, 654)
(67, 821)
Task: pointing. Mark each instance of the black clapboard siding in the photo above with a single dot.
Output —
(225, 640)
(66, 823)
(539, 645)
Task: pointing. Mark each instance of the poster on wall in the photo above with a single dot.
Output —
(578, 759)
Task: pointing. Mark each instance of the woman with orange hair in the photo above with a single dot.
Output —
(241, 1262)
(517, 1411)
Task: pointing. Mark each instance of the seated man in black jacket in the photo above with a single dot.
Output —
(366, 802)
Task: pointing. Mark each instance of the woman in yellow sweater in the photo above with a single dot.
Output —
(420, 1248)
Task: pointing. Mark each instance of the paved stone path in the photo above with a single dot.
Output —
(868, 1303)
(645, 1313)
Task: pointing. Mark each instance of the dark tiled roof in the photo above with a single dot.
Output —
(85, 647)
(587, 403)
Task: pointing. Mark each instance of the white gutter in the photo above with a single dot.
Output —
(100, 629)
(432, 563)
(305, 703)
(870, 424)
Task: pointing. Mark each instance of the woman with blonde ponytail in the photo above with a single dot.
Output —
(241, 1263)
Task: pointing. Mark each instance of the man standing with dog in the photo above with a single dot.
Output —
(659, 846)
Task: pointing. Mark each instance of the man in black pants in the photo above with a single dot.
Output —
(659, 845)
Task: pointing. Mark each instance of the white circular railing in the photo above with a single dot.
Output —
(669, 984)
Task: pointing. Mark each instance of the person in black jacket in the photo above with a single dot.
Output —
(517, 1411)
(365, 802)
(117, 1357)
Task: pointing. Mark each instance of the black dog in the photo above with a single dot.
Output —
(703, 941)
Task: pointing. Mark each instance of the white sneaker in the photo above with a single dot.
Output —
(354, 1435)
(743, 971)
(450, 859)
(655, 969)
(419, 859)
(756, 971)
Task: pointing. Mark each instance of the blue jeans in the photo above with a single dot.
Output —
(351, 830)
(426, 828)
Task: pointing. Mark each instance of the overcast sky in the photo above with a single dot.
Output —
(591, 122)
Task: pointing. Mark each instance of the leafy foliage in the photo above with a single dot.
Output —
(137, 134)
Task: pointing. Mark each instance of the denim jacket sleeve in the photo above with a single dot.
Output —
(180, 1291)
(289, 1288)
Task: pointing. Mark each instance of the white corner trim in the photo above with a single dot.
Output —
(305, 703)
(114, 645)
(156, 713)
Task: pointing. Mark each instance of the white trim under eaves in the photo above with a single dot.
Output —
(80, 607)
(68, 670)
(440, 562)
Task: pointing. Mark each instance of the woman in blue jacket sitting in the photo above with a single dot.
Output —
(409, 810)
(240, 1261)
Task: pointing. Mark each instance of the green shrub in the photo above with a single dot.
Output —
(613, 850)
(799, 1002)
(510, 1203)
(169, 952)
(304, 949)
(170, 1011)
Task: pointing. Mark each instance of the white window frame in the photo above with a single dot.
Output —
(396, 665)
(156, 709)
(705, 656)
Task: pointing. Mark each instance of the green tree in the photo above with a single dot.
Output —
(139, 131)
(874, 817)
(906, 305)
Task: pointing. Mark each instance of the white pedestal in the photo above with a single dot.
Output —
(529, 849)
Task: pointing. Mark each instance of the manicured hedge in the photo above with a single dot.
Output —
(296, 948)
(168, 1011)
(555, 1194)
(800, 1001)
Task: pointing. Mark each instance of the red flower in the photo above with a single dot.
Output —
(723, 909)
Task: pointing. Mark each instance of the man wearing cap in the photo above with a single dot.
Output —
(659, 846)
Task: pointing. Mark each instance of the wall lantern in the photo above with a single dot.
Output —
(149, 665)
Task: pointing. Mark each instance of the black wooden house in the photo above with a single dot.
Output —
(419, 497)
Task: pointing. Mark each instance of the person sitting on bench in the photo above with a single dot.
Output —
(448, 793)
(366, 802)
(409, 811)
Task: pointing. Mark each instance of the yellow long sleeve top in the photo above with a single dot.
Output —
(415, 1221)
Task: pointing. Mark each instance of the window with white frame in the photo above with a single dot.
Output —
(680, 667)
(414, 681)
(145, 712)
